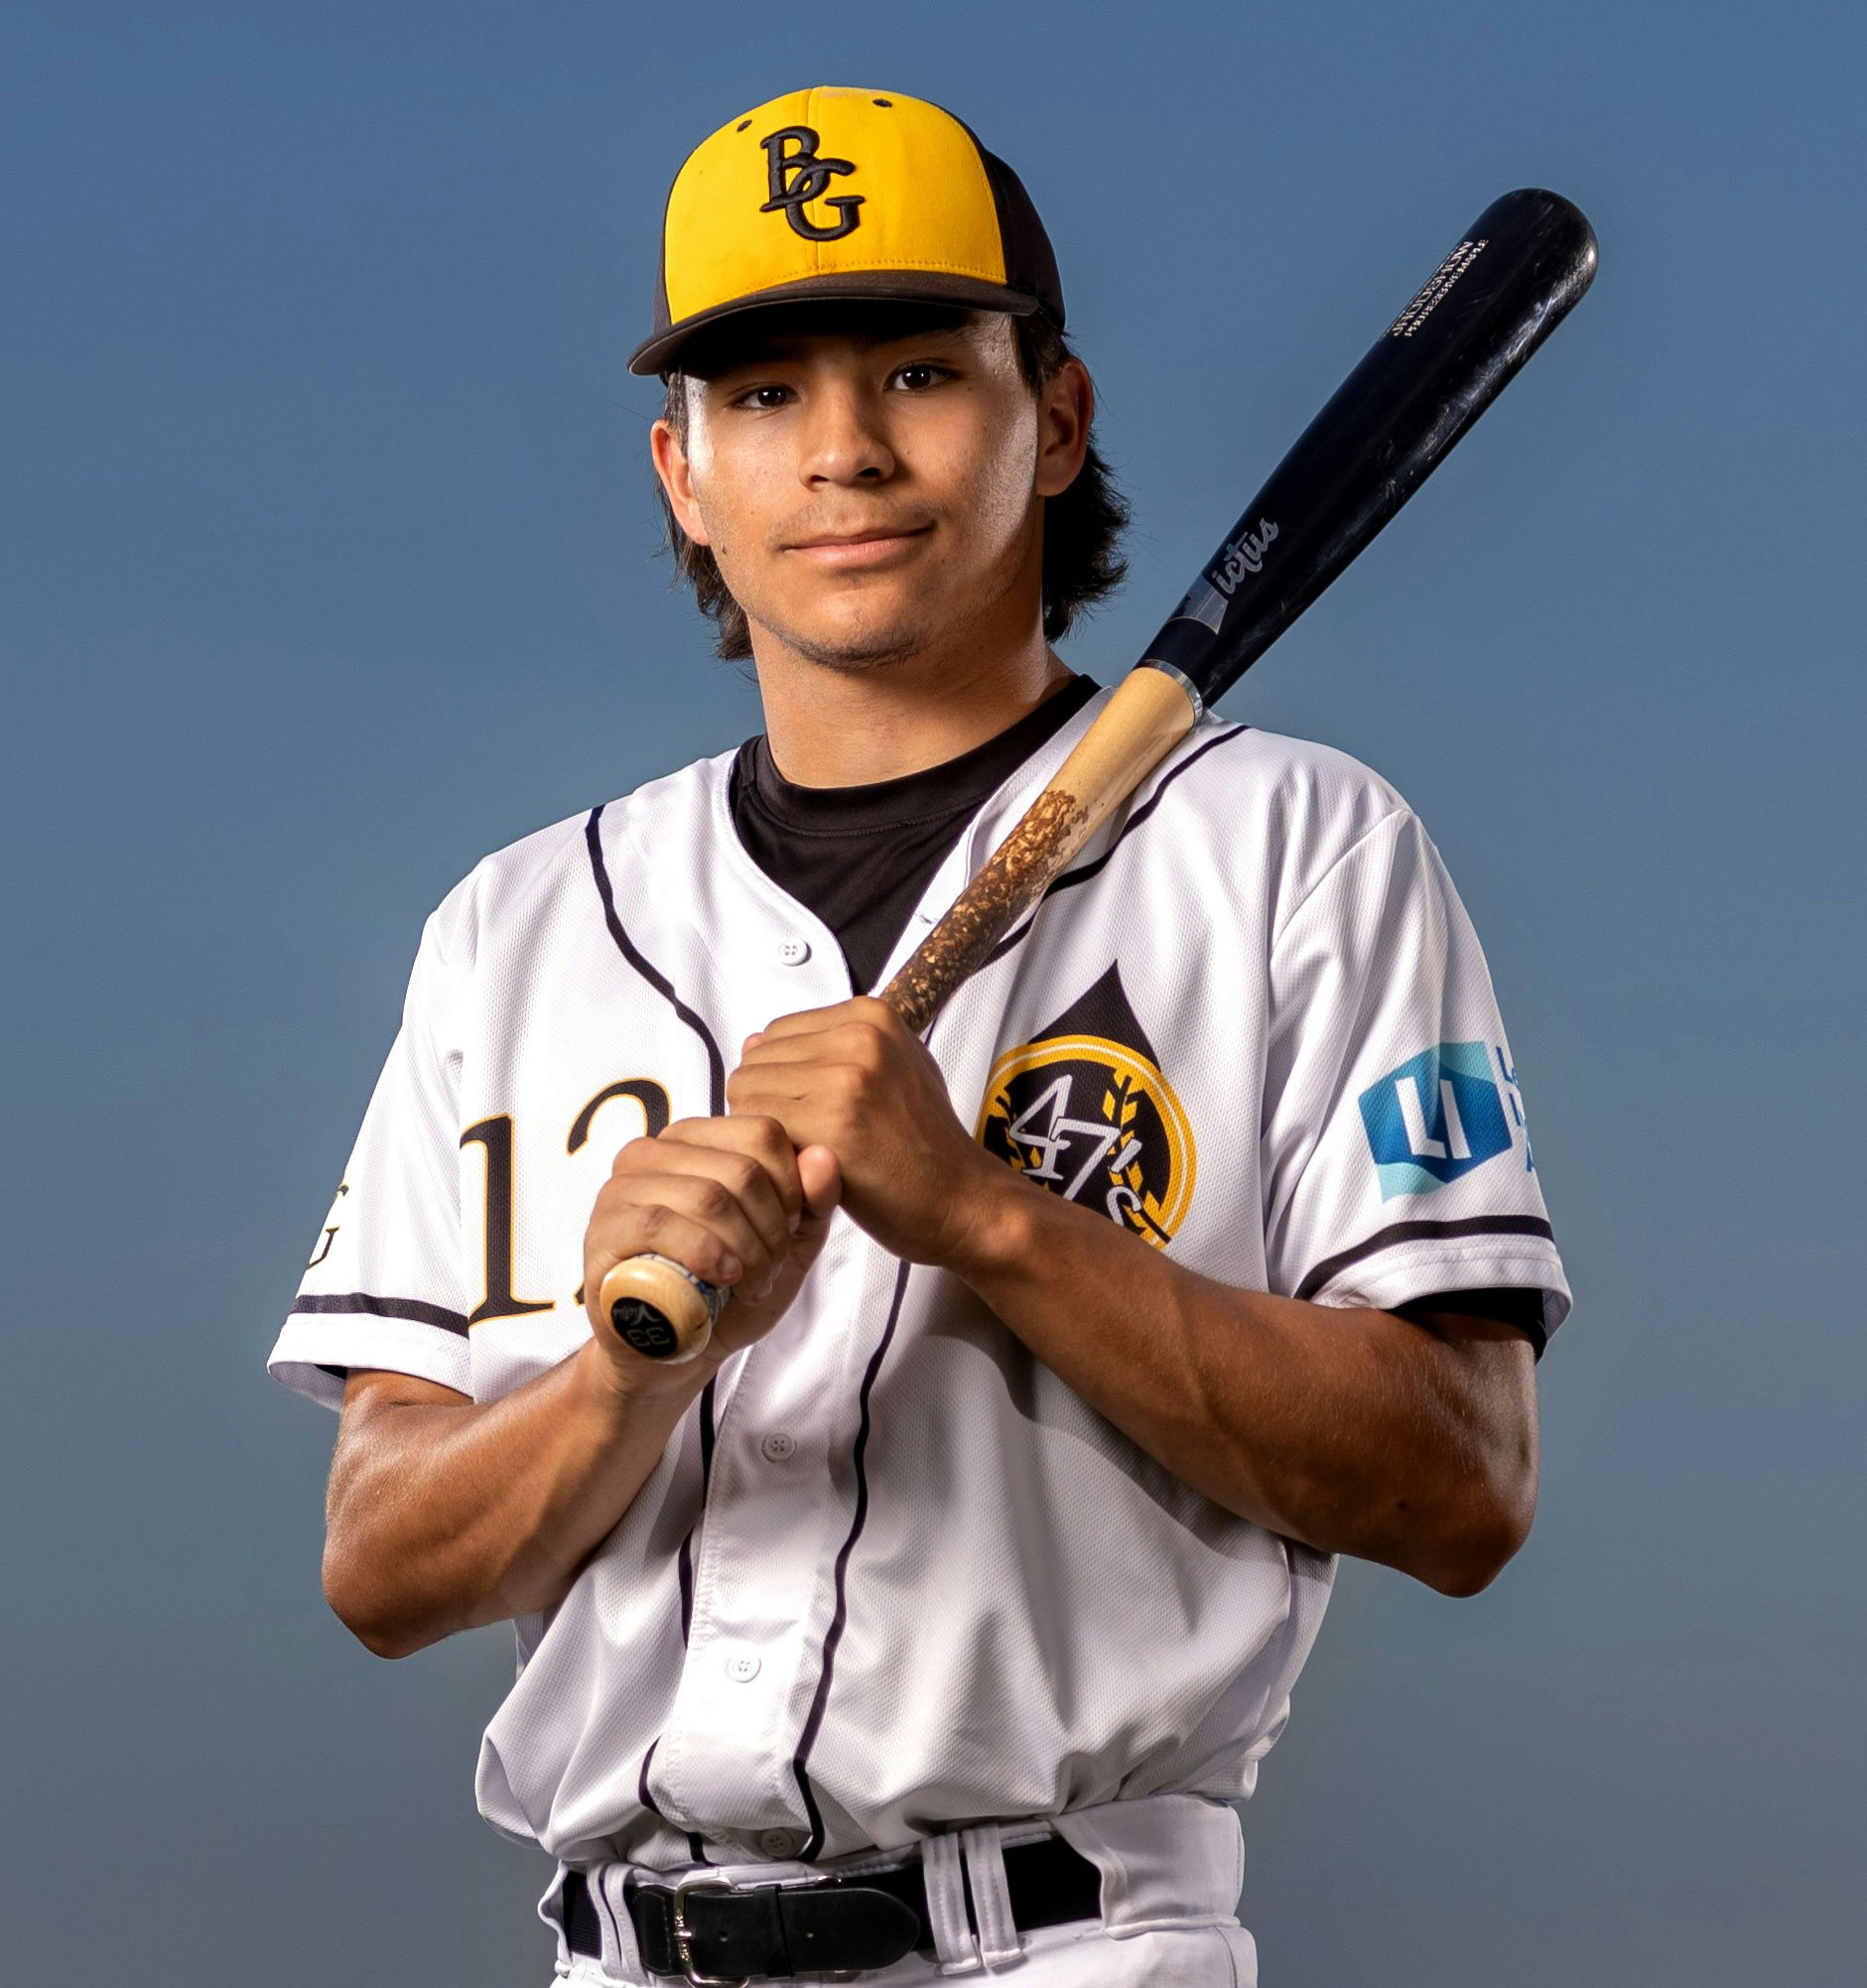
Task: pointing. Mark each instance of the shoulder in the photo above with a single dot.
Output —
(1289, 807)
(518, 883)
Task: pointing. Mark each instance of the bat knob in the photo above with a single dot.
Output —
(659, 1308)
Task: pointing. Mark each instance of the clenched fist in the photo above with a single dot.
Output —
(853, 1082)
(731, 1200)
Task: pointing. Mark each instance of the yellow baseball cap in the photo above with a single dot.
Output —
(853, 194)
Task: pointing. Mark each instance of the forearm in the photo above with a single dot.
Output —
(446, 1514)
(1352, 1430)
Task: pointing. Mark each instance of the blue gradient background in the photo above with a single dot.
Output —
(325, 566)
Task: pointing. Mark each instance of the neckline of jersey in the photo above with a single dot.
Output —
(939, 792)
(1011, 798)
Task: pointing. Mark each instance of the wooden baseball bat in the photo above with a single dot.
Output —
(1512, 279)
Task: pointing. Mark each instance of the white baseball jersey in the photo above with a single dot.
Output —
(892, 1573)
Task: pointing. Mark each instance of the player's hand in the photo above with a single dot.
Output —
(853, 1079)
(734, 1201)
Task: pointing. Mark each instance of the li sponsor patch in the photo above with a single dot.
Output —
(1434, 1118)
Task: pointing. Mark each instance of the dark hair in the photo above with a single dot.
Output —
(1082, 526)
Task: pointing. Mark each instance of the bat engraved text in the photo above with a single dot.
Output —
(1245, 553)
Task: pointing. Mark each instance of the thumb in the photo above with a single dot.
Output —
(749, 1318)
(819, 1175)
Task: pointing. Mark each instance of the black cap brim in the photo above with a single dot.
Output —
(660, 353)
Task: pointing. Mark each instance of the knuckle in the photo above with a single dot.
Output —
(611, 1206)
(757, 1260)
(712, 1198)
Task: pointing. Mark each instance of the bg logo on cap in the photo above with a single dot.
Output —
(799, 176)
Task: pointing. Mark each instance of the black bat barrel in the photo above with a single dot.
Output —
(1515, 277)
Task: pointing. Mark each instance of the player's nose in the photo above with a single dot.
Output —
(842, 437)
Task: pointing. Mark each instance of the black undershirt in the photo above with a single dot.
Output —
(862, 857)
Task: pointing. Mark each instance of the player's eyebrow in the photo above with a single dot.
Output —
(777, 346)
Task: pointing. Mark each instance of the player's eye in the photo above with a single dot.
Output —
(918, 375)
(763, 397)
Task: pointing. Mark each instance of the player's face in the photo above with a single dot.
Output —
(871, 489)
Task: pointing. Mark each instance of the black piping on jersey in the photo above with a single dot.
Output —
(1415, 1232)
(716, 1102)
(417, 1310)
(684, 1569)
(695, 1848)
(1089, 869)
(840, 1617)
(715, 1067)
(641, 1780)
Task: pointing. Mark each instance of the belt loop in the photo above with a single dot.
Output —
(945, 1879)
(609, 1890)
(999, 1944)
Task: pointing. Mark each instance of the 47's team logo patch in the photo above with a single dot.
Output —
(1085, 1111)
(1434, 1118)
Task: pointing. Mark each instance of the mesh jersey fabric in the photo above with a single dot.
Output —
(892, 1573)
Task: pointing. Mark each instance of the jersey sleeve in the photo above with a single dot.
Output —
(1397, 1157)
(385, 1286)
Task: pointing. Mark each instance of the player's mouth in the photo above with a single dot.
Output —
(849, 551)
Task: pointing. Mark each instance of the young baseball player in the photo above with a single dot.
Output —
(935, 1617)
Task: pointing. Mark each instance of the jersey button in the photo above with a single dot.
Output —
(777, 1447)
(793, 952)
(777, 1842)
(741, 1666)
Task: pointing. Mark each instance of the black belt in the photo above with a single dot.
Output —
(703, 1931)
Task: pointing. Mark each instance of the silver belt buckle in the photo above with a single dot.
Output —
(684, 1934)
(705, 1880)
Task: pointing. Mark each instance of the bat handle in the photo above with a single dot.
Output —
(660, 1309)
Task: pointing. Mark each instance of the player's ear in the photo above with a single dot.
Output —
(1065, 408)
(675, 470)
